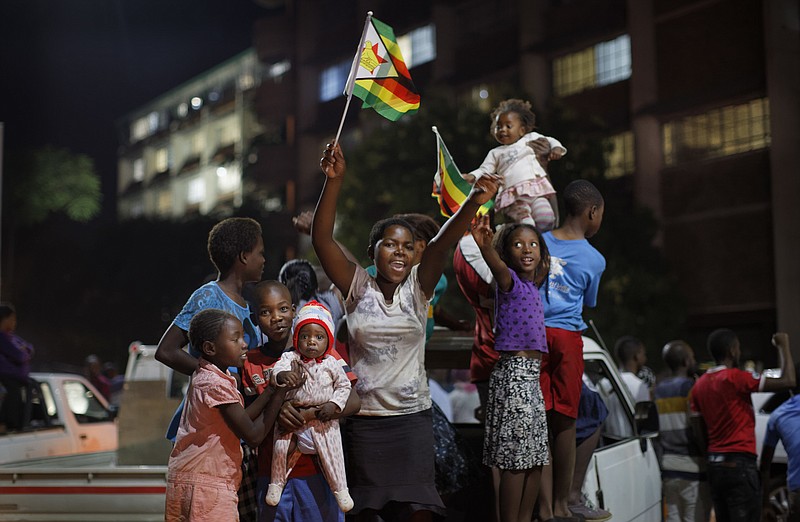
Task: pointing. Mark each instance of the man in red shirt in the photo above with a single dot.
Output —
(724, 424)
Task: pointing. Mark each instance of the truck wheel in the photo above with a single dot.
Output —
(778, 509)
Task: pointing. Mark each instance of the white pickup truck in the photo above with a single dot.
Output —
(63, 468)
(70, 425)
(623, 476)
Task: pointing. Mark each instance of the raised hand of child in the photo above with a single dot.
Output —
(482, 232)
(780, 339)
(326, 411)
(332, 162)
(302, 222)
(485, 188)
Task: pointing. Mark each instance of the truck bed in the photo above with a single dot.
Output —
(121, 494)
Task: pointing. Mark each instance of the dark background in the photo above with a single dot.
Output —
(71, 69)
(68, 72)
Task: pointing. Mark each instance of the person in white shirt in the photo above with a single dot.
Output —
(631, 357)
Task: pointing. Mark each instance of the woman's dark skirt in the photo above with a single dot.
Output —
(390, 465)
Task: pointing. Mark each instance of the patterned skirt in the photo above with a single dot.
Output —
(516, 424)
(532, 188)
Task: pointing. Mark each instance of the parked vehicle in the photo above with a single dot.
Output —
(623, 475)
(71, 425)
(764, 404)
(62, 467)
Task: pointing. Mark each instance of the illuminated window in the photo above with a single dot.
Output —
(144, 126)
(246, 81)
(162, 159)
(717, 133)
(602, 64)
(227, 180)
(139, 129)
(613, 60)
(152, 122)
(136, 209)
(479, 97)
(197, 191)
(164, 202)
(618, 154)
(138, 169)
(226, 134)
(418, 46)
(277, 70)
(332, 80)
(198, 143)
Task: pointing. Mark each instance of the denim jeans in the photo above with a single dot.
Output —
(735, 487)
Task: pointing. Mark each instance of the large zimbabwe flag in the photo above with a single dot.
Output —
(382, 79)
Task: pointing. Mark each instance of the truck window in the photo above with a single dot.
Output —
(83, 404)
(48, 402)
(43, 406)
(619, 423)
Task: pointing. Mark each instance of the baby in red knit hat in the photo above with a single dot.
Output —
(326, 388)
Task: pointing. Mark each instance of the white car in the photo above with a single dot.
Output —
(764, 403)
(623, 476)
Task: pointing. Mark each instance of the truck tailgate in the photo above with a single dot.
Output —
(121, 494)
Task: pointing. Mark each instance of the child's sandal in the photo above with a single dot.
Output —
(273, 496)
(344, 499)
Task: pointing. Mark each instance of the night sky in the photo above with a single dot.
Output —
(70, 69)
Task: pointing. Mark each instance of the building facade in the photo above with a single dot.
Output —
(185, 152)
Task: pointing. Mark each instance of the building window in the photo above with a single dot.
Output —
(717, 133)
(613, 60)
(227, 180)
(278, 70)
(418, 46)
(197, 191)
(198, 143)
(479, 96)
(164, 202)
(162, 159)
(602, 64)
(618, 154)
(138, 169)
(152, 122)
(226, 134)
(136, 209)
(144, 127)
(332, 80)
(139, 129)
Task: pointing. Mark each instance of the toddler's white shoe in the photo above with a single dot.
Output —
(273, 496)
(344, 499)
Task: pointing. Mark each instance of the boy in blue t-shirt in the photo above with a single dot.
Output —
(575, 270)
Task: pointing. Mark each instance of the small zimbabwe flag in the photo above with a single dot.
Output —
(448, 186)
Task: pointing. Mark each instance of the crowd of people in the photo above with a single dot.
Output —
(308, 402)
(707, 436)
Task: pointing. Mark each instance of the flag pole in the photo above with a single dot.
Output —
(351, 78)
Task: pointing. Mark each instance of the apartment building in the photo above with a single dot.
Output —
(185, 152)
